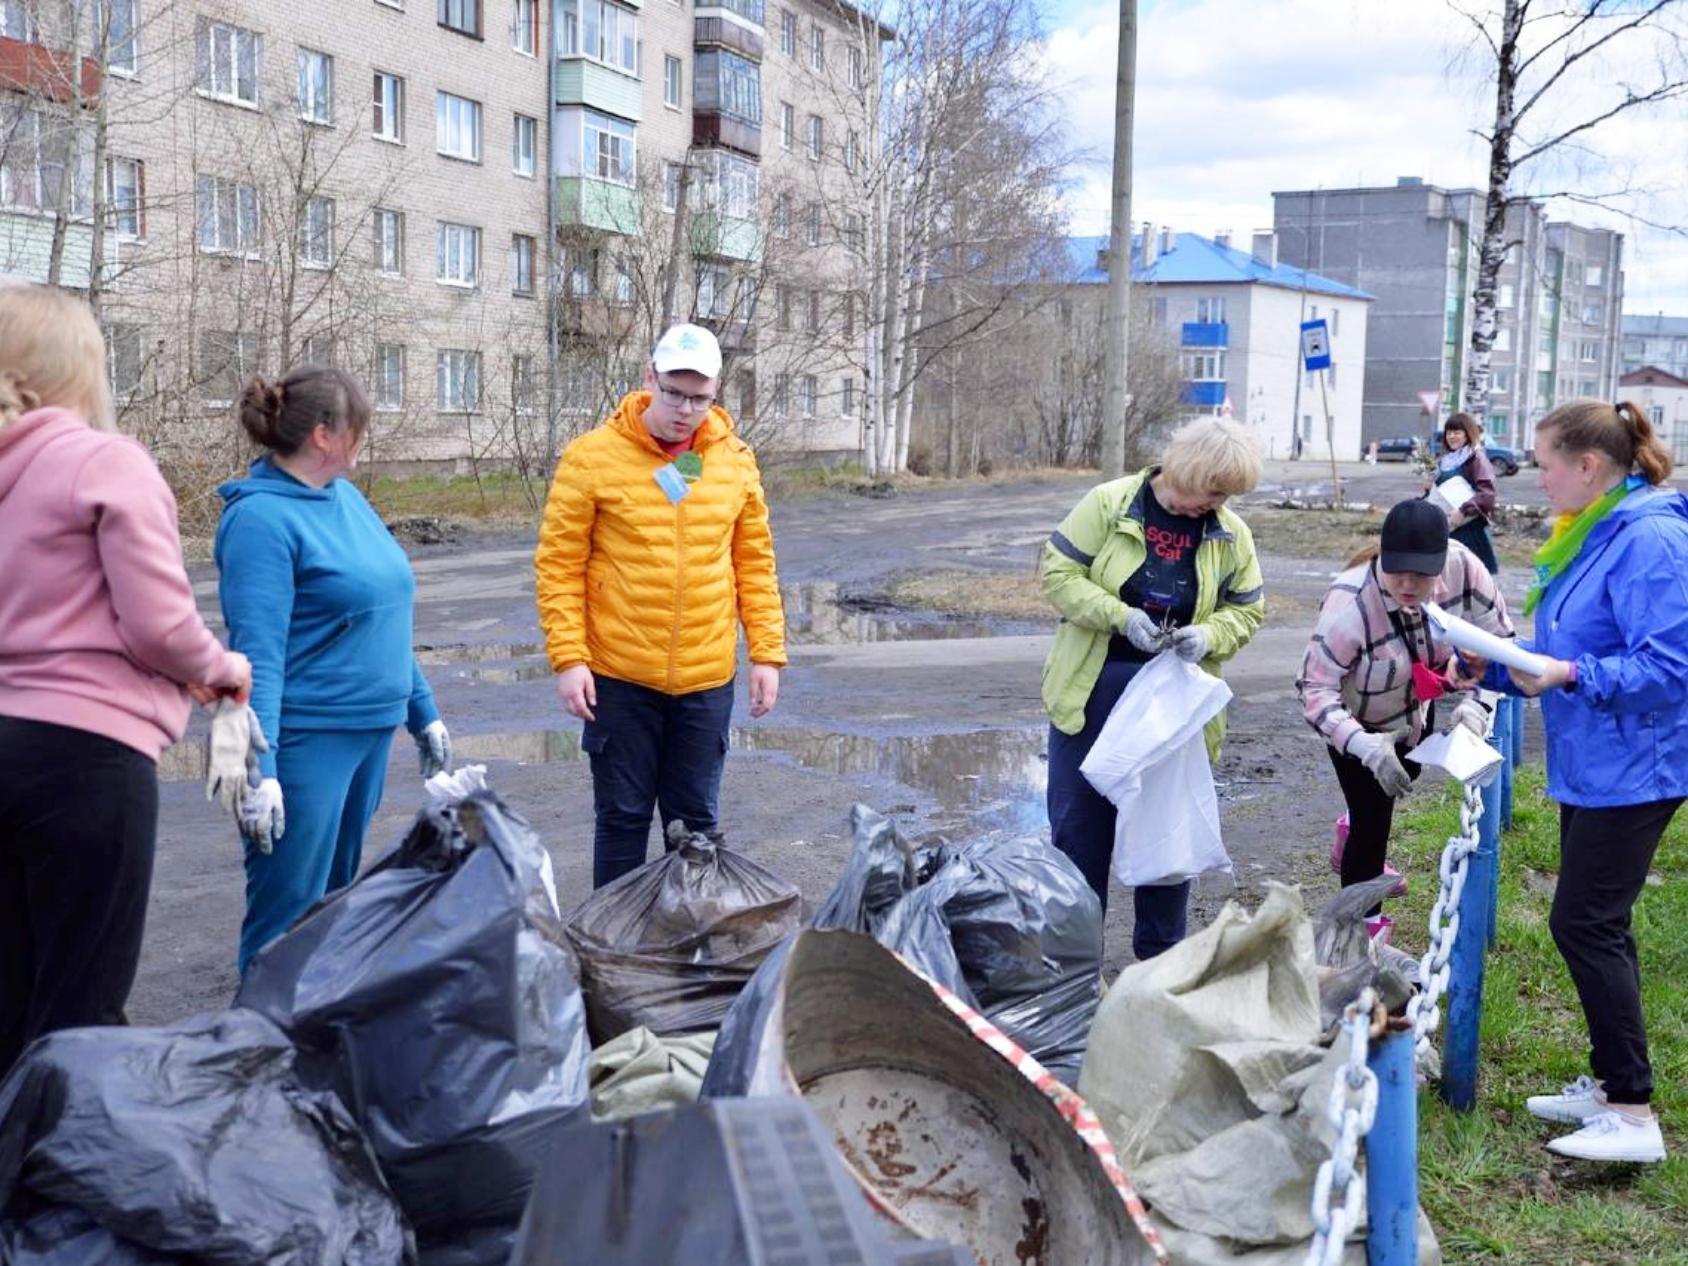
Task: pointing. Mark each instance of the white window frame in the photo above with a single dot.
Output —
(524, 145)
(387, 236)
(123, 54)
(452, 115)
(815, 142)
(808, 396)
(233, 206)
(448, 13)
(623, 294)
(457, 380)
(600, 31)
(457, 255)
(524, 262)
(847, 397)
(1594, 275)
(386, 103)
(524, 28)
(522, 376)
(316, 234)
(1210, 310)
(125, 333)
(383, 377)
(595, 124)
(857, 78)
(670, 186)
(812, 224)
(128, 218)
(673, 81)
(817, 46)
(241, 364)
(788, 33)
(242, 61)
(316, 86)
(788, 124)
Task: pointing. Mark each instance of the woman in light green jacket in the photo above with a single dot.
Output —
(1151, 562)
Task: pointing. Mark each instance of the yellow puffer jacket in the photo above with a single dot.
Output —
(650, 592)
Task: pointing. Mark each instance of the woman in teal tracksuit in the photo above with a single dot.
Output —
(318, 595)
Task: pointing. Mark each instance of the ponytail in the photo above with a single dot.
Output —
(1652, 458)
(1363, 555)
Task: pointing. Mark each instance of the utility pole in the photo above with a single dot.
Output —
(1117, 324)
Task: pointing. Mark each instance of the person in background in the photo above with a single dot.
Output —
(319, 595)
(654, 547)
(1463, 455)
(1610, 601)
(1154, 561)
(1371, 671)
(101, 646)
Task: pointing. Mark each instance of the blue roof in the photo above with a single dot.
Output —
(1196, 259)
(1671, 326)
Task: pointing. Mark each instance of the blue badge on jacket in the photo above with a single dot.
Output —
(672, 483)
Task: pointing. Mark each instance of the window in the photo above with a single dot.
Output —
(524, 393)
(714, 291)
(226, 359)
(1596, 275)
(812, 313)
(127, 359)
(788, 33)
(671, 82)
(782, 309)
(728, 83)
(857, 79)
(457, 381)
(463, 16)
(228, 215)
(1656, 415)
(850, 149)
(583, 276)
(812, 232)
(316, 86)
(735, 184)
(670, 186)
(847, 397)
(457, 255)
(854, 235)
(389, 377)
(457, 127)
(602, 31)
(1588, 350)
(1497, 424)
(849, 314)
(609, 148)
(522, 251)
(227, 61)
(524, 30)
(122, 54)
(817, 135)
(817, 47)
(782, 215)
(316, 349)
(1505, 299)
(1544, 387)
(388, 123)
(788, 124)
(125, 189)
(1593, 313)
(316, 233)
(1500, 382)
(807, 395)
(1211, 310)
(623, 283)
(388, 229)
(524, 145)
(1503, 340)
(1204, 366)
(782, 395)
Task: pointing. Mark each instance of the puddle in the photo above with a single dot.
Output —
(820, 614)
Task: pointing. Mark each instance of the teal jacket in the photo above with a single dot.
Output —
(1095, 551)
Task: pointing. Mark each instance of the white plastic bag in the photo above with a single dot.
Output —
(1151, 761)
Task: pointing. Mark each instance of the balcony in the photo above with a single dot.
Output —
(1206, 334)
(720, 33)
(587, 202)
(38, 71)
(710, 127)
(1206, 394)
(26, 247)
(578, 81)
(752, 11)
(735, 334)
(725, 237)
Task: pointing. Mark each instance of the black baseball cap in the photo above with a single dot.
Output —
(1415, 539)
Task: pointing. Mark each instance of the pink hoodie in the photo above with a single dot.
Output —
(98, 628)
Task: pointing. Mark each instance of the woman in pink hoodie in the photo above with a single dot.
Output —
(100, 646)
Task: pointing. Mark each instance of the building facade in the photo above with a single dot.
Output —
(1415, 248)
(1663, 396)
(1659, 342)
(486, 209)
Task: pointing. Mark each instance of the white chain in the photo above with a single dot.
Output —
(1337, 1191)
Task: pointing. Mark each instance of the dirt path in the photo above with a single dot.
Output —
(936, 719)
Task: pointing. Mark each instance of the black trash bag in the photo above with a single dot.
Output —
(882, 867)
(669, 946)
(1006, 922)
(190, 1145)
(438, 998)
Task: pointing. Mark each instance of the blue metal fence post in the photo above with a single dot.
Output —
(1497, 799)
(1506, 732)
(1465, 964)
(1518, 709)
(1392, 1156)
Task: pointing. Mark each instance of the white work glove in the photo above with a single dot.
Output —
(1473, 716)
(433, 749)
(1192, 643)
(1377, 753)
(236, 740)
(263, 818)
(1142, 632)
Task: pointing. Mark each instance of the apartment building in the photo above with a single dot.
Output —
(1658, 341)
(1414, 246)
(472, 204)
(1664, 398)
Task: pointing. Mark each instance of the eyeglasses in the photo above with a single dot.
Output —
(680, 400)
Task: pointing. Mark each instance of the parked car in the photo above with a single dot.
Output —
(1399, 448)
(1503, 457)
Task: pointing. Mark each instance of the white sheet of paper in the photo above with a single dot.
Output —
(1455, 492)
(1466, 636)
(1460, 754)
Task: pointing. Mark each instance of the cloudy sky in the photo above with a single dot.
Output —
(1237, 98)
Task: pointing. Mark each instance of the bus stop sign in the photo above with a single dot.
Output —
(1315, 345)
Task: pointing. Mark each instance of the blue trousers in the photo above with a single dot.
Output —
(651, 750)
(1081, 821)
(331, 784)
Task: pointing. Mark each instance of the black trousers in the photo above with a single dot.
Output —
(651, 750)
(78, 825)
(1371, 814)
(1604, 856)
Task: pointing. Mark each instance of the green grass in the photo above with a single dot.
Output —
(1494, 1193)
(493, 496)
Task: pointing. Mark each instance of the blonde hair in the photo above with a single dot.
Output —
(1212, 455)
(51, 353)
(1621, 431)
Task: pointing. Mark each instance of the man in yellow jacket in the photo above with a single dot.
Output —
(655, 545)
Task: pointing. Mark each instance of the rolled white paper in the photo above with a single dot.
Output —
(1466, 636)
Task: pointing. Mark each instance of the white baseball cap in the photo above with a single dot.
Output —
(687, 348)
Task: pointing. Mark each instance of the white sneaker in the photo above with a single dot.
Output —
(1577, 1102)
(1612, 1136)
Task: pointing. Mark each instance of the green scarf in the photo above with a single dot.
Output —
(1570, 533)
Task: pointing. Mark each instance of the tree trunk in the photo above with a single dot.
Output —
(1492, 250)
